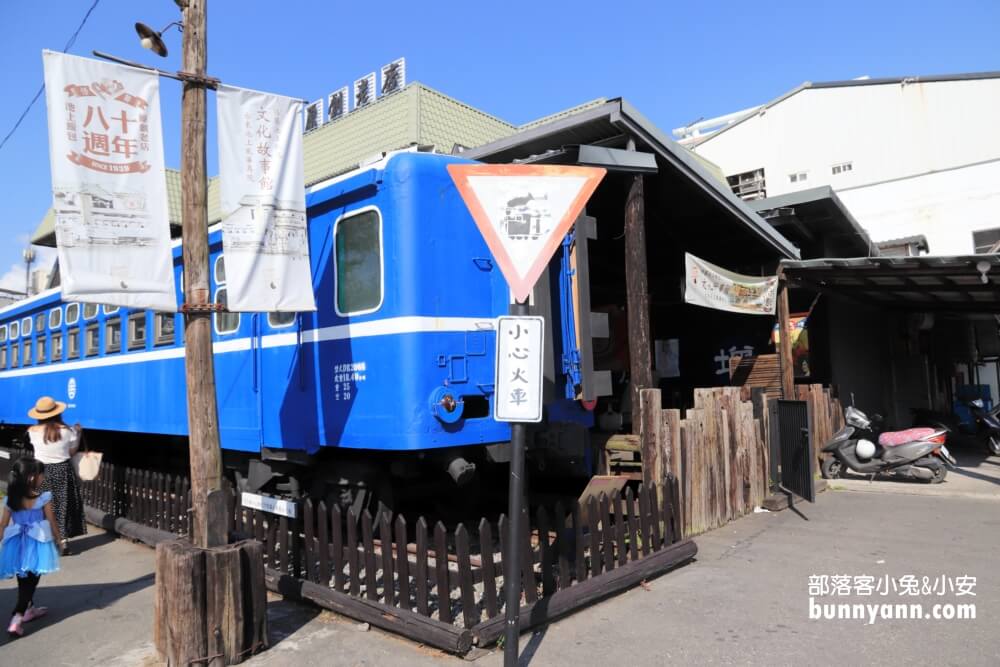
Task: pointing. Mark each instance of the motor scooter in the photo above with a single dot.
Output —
(988, 423)
(985, 425)
(861, 447)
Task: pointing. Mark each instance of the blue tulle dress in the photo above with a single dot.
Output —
(28, 545)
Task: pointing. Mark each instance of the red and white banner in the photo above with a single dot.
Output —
(109, 192)
(262, 186)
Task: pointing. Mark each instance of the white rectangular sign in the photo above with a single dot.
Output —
(269, 504)
(714, 287)
(264, 232)
(519, 374)
(109, 190)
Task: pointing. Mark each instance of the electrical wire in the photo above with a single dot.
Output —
(69, 45)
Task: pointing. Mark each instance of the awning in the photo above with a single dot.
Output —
(960, 284)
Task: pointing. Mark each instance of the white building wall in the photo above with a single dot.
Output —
(924, 155)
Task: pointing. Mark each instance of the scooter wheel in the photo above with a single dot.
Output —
(940, 472)
(831, 468)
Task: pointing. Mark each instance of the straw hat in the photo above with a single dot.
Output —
(46, 407)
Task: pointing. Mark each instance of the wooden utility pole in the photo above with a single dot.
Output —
(637, 294)
(785, 341)
(203, 415)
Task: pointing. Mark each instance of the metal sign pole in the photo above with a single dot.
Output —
(512, 559)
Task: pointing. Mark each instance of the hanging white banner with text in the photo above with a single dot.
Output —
(264, 233)
(714, 287)
(109, 192)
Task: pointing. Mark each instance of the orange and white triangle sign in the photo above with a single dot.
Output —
(524, 211)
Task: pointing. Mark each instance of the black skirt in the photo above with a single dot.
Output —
(60, 479)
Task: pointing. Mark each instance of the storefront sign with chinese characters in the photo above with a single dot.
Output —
(264, 233)
(712, 286)
(519, 373)
(109, 192)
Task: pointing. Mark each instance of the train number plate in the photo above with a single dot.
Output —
(270, 504)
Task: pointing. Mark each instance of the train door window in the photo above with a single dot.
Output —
(14, 353)
(137, 330)
(279, 320)
(112, 335)
(72, 313)
(358, 242)
(3, 356)
(40, 354)
(39, 323)
(110, 310)
(26, 361)
(164, 328)
(15, 330)
(92, 339)
(225, 322)
(3, 334)
(26, 326)
(55, 318)
(220, 270)
(57, 347)
(89, 311)
(73, 344)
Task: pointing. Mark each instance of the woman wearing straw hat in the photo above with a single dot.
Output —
(55, 443)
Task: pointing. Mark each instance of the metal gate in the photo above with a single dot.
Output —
(790, 441)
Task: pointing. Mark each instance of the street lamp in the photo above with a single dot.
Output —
(29, 257)
(153, 40)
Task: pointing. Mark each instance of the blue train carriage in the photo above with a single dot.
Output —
(385, 390)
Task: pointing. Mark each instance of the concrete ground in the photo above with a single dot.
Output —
(745, 599)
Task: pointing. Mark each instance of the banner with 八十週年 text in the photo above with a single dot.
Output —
(262, 193)
(712, 286)
(109, 193)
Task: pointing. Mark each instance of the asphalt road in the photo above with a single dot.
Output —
(744, 601)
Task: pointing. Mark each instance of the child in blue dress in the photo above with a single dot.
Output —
(30, 536)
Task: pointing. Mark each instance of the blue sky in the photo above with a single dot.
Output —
(518, 60)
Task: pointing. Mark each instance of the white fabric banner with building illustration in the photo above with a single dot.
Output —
(264, 233)
(712, 286)
(109, 191)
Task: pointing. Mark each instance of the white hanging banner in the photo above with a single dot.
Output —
(264, 233)
(714, 287)
(109, 191)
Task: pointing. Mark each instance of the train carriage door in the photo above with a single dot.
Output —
(236, 343)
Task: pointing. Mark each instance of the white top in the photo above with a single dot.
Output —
(54, 452)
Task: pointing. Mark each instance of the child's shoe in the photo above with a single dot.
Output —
(34, 612)
(15, 629)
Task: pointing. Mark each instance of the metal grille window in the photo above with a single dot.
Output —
(358, 240)
(112, 335)
(985, 239)
(73, 344)
(40, 354)
(57, 347)
(164, 328)
(93, 340)
(137, 331)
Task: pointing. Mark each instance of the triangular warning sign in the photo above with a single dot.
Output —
(524, 211)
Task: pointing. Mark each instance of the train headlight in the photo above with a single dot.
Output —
(445, 405)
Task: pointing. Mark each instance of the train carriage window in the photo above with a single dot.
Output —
(14, 351)
(279, 320)
(57, 347)
(26, 360)
(225, 322)
(40, 353)
(112, 335)
(110, 310)
(72, 313)
(26, 326)
(3, 334)
(89, 311)
(164, 328)
(15, 330)
(220, 270)
(92, 339)
(358, 242)
(3, 356)
(39, 323)
(137, 331)
(55, 318)
(73, 344)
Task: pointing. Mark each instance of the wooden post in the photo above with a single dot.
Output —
(637, 293)
(785, 341)
(203, 417)
(650, 437)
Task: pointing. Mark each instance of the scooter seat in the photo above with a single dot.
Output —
(895, 438)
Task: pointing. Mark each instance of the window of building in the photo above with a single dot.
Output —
(89, 311)
(55, 318)
(842, 168)
(112, 335)
(983, 240)
(15, 330)
(72, 313)
(26, 326)
(92, 340)
(73, 344)
(225, 322)
(26, 360)
(164, 328)
(3, 333)
(110, 310)
(749, 185)
(278, 320)
(358, 277)
(798, 176)
(57, 347)
(39, 323)
(14, 355)
(137, 331)
(40, 354)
